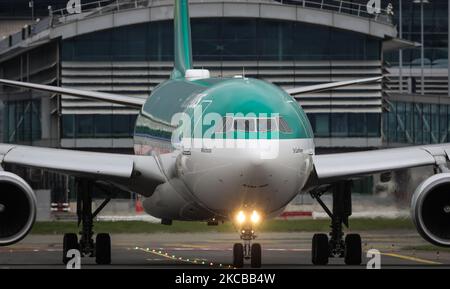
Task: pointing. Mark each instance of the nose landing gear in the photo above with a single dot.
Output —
(336, 246)
(247, 251)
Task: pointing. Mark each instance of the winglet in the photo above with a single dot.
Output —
(183, 46)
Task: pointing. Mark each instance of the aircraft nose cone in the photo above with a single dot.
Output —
(258, 169)
(256, 160)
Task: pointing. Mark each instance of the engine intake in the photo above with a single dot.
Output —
(17, 208)
(430, 209)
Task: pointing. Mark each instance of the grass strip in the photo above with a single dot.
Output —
(302, 225)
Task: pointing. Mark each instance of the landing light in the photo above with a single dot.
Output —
(255, 218)
(240, 217)
(243, 217)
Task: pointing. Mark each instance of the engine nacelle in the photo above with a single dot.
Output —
(17, 208)
(430, 209)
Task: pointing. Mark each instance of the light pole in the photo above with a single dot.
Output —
(448, 48)
(31, 5)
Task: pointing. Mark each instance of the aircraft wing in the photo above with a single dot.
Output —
(331, 167)
(95, 95)
(328, 86)
(126, 170)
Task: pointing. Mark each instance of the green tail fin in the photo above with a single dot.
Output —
(183, 46)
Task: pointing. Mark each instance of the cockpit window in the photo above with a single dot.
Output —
(245, 124)
(227, 125)
(284, 127)
(262, 125)
(267, 124)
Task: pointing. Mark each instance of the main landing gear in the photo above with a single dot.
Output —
(247, 250)
(101, 248)
(335, 246)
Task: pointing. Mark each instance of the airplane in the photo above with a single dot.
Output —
(220, 149)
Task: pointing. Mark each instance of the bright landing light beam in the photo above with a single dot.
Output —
(254, 218)
(240, 217)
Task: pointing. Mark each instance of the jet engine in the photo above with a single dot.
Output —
(17, 208)
(430, 209)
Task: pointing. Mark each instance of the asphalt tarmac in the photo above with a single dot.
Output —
(214, 250)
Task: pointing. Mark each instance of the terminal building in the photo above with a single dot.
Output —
(418, 97)
(126, 47)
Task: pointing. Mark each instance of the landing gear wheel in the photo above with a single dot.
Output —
(238, 255)
(256, 256)
(70, 242)
(353, 249)
(103, 249)
(320, 249)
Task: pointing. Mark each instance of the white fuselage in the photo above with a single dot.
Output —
(215, 182)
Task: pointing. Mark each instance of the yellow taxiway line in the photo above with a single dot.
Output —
(409, 258)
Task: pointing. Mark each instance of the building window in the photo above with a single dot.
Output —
(227, 39)
(84, 126)
(346, 124)
(98, 126)
(339, 125)
(363, 186)
(357, 126)
(68, 126)
(392, 124)
(416, 123)
(436, 29)
(400, 117)
(321, 125)
(121, 125)
(373, 124)
(103, 126)
(22, 121)
(426, 114)
(443, 129)
(435, 123)
(409, 122)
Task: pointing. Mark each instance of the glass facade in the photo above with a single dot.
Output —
(98, 126)
(339, 125)
(228, 39)
(435, 33)
(363, 186)
(416, 123)
(21, 121)
(225, 39)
